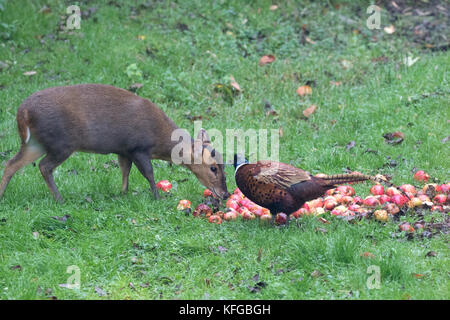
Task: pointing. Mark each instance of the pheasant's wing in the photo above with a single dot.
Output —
(280, 174)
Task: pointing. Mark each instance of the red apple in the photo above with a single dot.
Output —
(281, 218)
(247, 215)
(330, 192)
(391, 191)
(300, 213)
(357, 200)
(330, 204)
(408, 188)
(440, 199)
(405, 226)
(316, 203)
(391, 208)
(346, 190)
(202, 210)
(235, 197)
(421, 176)
(184, 204)
(377, 190)
(371, 201)
(444, 188)
(424, 198)
(230, 215)
(164, 185)
(399, 199)
(215, 219)
(384, 198)
(207, 193)
(346, 199)
(338, 211)
(245, 202)
(437, 208)
(232, 204)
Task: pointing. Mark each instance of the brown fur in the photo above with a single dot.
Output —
(100, 119)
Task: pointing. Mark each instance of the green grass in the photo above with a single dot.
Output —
(119, 239)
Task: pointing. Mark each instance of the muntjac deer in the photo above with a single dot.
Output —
(96, 118)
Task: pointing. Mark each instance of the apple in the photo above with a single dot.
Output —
(330, 192)
(207, 193)
(281, 218)
(381, 215)
(247, 215)
(346, 190)
(316, 203)
(354, 207)
(357, 200)
(424, 198)
(257, 210)
(399, 199)
(391, 208)
(405, 226)
(184, 204)
(215, 219)
(346, 199)
(330, 204)
(235, 197)
(421, 176)
(444, 188)
(338, 211)
(408, 188)
(202, 210)
(230, 215)
(440, 199)
(384, 198)
(300, 213)
(164, 185)
(391, 191)
(437, 208)
(318, 211)
(371, 201)
(414, 202)
(266, 217)
(243, 210)
(377, 190)
(232, 204)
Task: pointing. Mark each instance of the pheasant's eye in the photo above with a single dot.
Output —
(213, 169)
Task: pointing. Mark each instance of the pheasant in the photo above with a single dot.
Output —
(281, 187)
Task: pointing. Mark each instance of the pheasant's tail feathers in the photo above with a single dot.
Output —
(344, 178)
(358, 177)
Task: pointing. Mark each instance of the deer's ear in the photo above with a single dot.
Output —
(198, 151)
(203, 136)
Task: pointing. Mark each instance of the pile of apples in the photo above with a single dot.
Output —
(342, 201)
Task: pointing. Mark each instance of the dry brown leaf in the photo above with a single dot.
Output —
(304, 90)
(280, 132)
(309, 111)
(234, 84)
(308, 39)
(367, 255)
(273, 7)
(266, 59)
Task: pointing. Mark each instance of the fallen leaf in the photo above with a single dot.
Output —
(304, 90)
(409, 61)
(280, 132)
(222, 249)
(308, 39)
(324, 221)
(418, 275)
(258, 258)
(63, 218)
(29, 73)
(367, 255)
(347, 64)
(131, 285)
(16, 267)
(316, 274)
(390, 29)
(35, 235)
(266, 59)
(336, 83)
(309, 111)
(141, 37)
(273, 7)
(234, 84)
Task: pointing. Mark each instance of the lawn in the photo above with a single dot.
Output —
(134, 247)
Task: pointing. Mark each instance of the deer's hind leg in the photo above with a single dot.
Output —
(125, 166)
(28, 153)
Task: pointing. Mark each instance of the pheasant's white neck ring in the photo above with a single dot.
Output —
(237, 168)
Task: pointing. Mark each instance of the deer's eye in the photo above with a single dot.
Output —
(213, 169)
